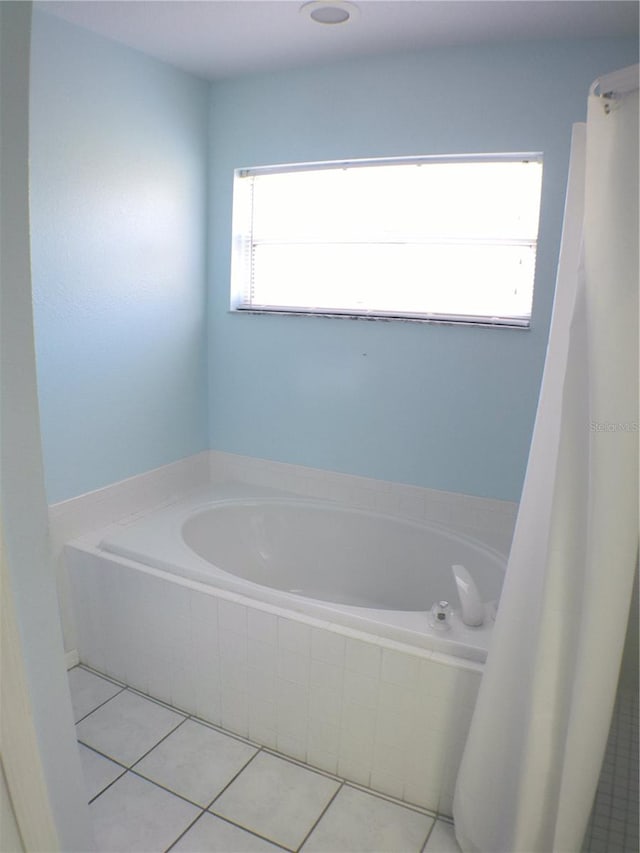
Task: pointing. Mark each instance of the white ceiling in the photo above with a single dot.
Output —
(215, 39)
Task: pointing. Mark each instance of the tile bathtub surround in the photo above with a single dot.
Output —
(78, 516)
(489, 520)
(246, 799)
(377, 713)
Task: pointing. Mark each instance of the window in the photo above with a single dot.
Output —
(427, 238)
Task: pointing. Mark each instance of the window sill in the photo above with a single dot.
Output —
(438, 320)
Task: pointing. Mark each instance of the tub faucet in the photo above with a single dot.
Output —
(470, 602)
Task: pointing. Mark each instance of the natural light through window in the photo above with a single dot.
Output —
(430, 238)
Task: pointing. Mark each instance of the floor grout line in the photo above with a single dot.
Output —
(223, 731)
(98, 674)
(231, 781)
(342, 783)
(248, 831)
(295, 761)
(101, 705)
(184, 832)
(443, 817)
(162, 704)
(113, 781)
(429, 834)
(202, 809)
(174, 729)
(168, 790)
(402, 803)
(320, 816)
(103, 754)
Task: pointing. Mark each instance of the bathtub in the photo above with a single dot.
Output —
(365, 570)
(301, 624)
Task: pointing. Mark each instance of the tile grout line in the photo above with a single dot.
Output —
(268, 752)
(233, 779)
(168, 790)
(319, 818)
(113, 781)
(101, 705)
(162, 704)
(237, 826)
(429, 834)
(131, 769)
(139, 775)
(162, 739)
(302, 765)
(259, 748)
(202, 809)
(227, 732)
(184, 831)
(106, 788)
(102, 755)
(252, 832)
(389, 799)
(98, 674)
(120, 763)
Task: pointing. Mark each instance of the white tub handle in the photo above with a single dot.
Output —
(471, 603)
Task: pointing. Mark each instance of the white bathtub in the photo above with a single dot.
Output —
(374, 572)
(372, 694)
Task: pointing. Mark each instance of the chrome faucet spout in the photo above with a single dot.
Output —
(471, 603)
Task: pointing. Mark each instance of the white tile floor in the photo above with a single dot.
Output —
(160, 780)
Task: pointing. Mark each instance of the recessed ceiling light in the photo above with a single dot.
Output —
(330, 12)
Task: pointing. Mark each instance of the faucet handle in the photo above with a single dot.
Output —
(440, 616)
(470, 601)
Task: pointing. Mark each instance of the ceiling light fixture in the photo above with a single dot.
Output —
(330, 12)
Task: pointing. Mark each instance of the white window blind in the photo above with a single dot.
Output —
(427, 238)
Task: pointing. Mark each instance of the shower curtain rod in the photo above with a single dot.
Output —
(617, 83)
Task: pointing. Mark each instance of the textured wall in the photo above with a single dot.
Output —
(118, 209)
(120, 229)
(438, 406)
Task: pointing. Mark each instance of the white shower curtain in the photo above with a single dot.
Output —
(532, 759)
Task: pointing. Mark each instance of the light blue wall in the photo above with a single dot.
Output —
(444, 407)
(119, 159)
(118, 215)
